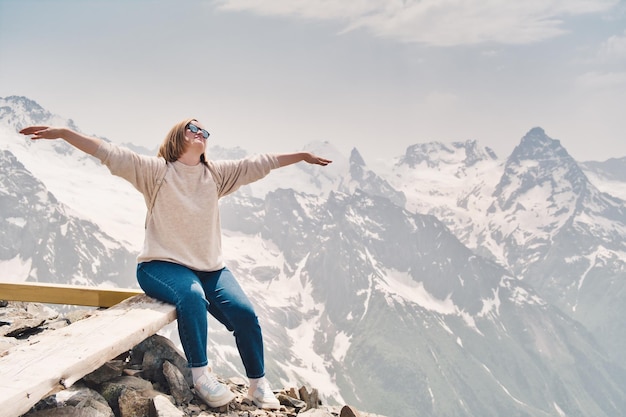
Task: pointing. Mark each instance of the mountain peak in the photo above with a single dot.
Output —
(474, 153)
(23, 102)
(538, 131)
(540, 162)
(434, 154)
(366, 180)
(356, 158)
(18, 112)
(536, 144)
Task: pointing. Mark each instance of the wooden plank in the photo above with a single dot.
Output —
(30, 371)
(37, 292)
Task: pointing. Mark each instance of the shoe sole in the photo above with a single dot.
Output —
(262, 405)
(220, 403)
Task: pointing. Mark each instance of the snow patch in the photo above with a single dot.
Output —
(491, 304)
(506, 391)
(308, 365)
(403, 286)
(559, 410)
(341, 346)
(16, 269)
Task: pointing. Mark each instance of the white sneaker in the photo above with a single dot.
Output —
(213, 392)
(263, 397)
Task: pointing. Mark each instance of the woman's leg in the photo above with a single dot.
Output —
(179, 285)
(230, 305)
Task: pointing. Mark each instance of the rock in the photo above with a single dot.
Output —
(84, 397)
(24, 327)
(179, 388)
(348, 411)
(310, 398)
(106, 372)
(112, 390)
(57, 324)
(162, 407)
(289, 401)
(293, 393)
(66, 412)
(316, 412)
(75, 401)
(133, 372)
(21, 320)
(135, 403)
(76, 315)
(155, 350)
(39, 310)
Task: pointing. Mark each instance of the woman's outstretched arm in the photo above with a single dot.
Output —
(292, 158)
(86, 144)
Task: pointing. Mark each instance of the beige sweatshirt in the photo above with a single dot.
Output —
(183, 221)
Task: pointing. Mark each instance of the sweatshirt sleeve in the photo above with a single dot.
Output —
(140, 170)
(230, 175)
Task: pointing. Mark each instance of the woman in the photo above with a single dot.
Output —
(181, 260)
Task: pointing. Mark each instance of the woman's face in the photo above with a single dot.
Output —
(195, 137)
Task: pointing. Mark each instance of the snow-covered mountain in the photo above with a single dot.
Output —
(448, 282)
(609, 176)
(557, 224)
(42, 241)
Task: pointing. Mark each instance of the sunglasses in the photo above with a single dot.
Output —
(196, 129)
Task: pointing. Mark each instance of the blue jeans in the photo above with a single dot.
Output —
(196, 292)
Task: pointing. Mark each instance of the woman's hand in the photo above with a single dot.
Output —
(84, 143)
(316, 160)
(292, 158)
(42, 132)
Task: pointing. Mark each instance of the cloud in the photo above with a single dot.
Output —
(602, 80)
(311, 9)
(614, 47)
(436, 22)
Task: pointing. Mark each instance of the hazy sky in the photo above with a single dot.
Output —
(378, 75)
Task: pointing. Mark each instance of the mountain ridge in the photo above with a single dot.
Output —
(358, 292)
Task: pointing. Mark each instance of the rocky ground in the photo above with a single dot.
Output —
(150, 380)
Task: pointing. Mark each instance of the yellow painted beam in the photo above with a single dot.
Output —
(37, 292)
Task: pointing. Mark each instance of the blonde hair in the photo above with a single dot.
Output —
(174, 144)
